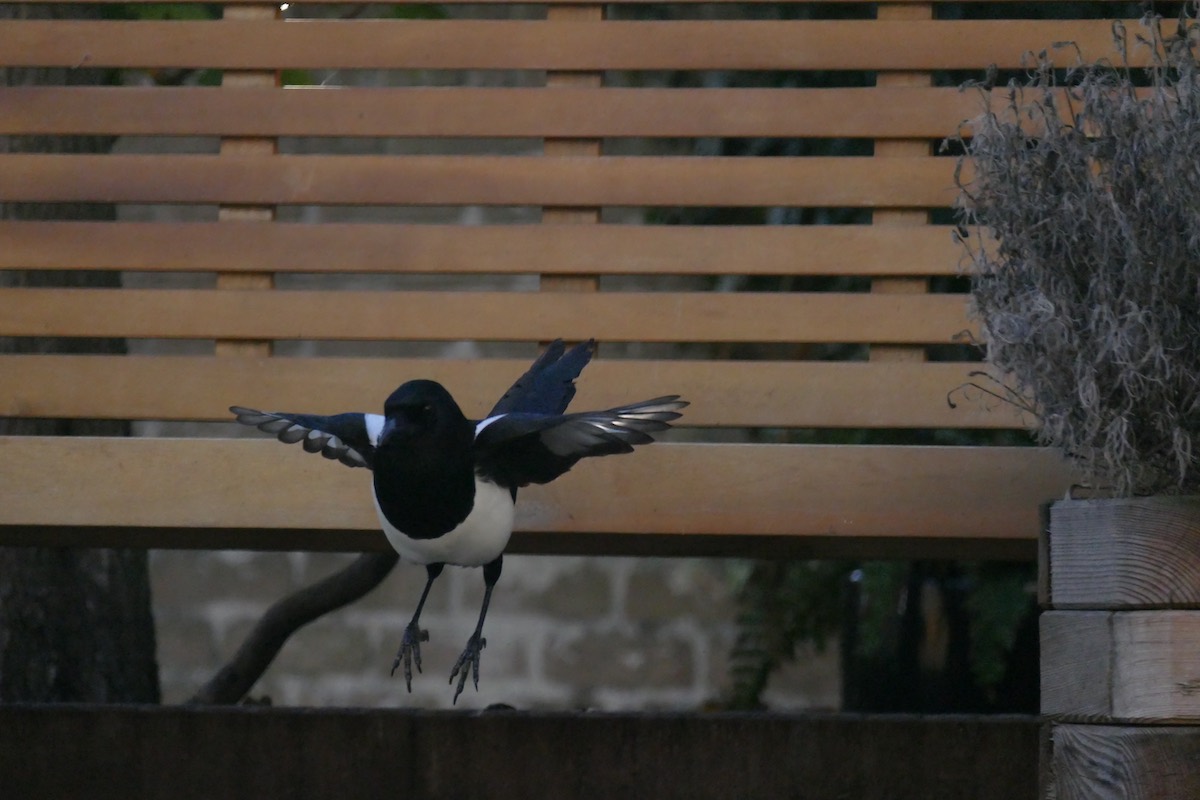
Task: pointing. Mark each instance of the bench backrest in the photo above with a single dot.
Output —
(563, 171)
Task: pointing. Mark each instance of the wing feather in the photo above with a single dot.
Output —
(517, 449)
(347, 438)
(549, 384)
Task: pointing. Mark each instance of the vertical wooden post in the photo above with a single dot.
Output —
(1120, 641)
(572, 148)
(901, 148)
(234, 80)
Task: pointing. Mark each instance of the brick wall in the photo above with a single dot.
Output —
(563, 632)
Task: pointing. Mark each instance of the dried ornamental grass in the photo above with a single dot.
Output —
(1089, 298)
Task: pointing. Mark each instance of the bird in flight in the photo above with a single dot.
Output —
(445, 486)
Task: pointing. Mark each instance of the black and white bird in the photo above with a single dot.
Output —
(445, 486)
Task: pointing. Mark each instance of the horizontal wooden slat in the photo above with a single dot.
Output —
(589, 249)
(480, 180)
(245, 752)
(509, 44)
(977, 502)
(504, 316)
(544, 2)
(521, 112)
(731, 393)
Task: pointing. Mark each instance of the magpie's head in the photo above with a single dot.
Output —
(420, 410)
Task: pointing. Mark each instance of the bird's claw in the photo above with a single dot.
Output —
(410, 652)
(468, 663)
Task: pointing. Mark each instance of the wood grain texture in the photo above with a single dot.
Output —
(480, 180)
(829, 499)
(584, 46)
(191, 753)
(722, 393)
(1077, 664)
(1156, 666)
(490, 112)
(572, 147)
(1099, 762)
(889, 147)
(491, 316)
(255, 146)
(1125, 666)
(508, 2)
(1125, 553)
(461, 249)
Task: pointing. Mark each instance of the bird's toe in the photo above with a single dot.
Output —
(468, 664)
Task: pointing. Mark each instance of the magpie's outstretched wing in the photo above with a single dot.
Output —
(549, 384)
(517, 449)
(348, 438)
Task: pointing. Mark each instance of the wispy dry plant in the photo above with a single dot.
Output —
(1088, 185)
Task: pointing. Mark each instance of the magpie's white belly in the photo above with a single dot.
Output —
(478, 539)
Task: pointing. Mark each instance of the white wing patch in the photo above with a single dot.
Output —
(374, 423)
(484, 423)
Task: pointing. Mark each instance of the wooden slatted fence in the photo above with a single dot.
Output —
(782, 334)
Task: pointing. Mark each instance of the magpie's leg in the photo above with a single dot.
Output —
(410, 645)
(468, 662)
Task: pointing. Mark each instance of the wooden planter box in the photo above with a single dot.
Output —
(1120, 642)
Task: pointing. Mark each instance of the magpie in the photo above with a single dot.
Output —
(445, 487)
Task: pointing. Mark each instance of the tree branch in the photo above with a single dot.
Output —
(232, 681)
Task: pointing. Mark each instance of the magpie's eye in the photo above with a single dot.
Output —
(421, 414)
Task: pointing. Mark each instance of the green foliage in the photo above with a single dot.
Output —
(998, 602)
(782, 604)
(418, 11)
(881, 583)
(175, 11)
(786, 604)
(184, 12)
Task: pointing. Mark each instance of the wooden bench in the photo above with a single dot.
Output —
(561, 134)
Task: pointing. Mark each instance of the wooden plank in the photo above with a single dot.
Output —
(1138, 667)
(1125, 553)
(723, 394)
(1156, 666)
(252, 752)
(556, 147)
(1099, 762)
(1076, 661)
(496, 316)
(234, 81)
(698, 499)
(601, 249)
(568, 45)
(508, 112)
(480, 180)
(511, 2)
(892, 147)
